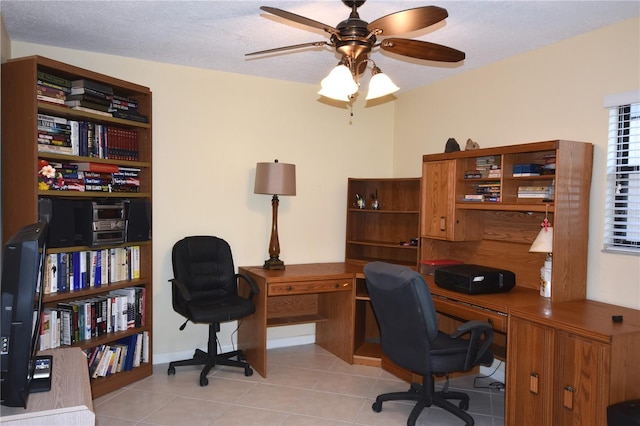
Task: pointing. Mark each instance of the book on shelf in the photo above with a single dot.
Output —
(55, 149)
(89, 166)
(53, 79)
(129, 115)
(91, 110)
(49, 85)
(51, 92)
(87, 104)
(50, 99)
(93, 85)
(75, 91)
(90, 97)
(124, 102)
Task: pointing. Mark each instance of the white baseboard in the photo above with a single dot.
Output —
(271, 344)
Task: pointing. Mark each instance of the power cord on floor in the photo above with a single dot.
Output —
(493, 385)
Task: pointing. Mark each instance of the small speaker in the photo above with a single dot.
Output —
(67, 220)
(138, 220)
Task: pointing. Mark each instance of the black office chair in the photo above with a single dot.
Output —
(205, 290)
(410, 337)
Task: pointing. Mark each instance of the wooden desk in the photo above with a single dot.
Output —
(68, 403)
(320, 293)
(568, 361)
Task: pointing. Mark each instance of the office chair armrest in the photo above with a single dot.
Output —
(252, 284)
(475, 351)
(179, 285)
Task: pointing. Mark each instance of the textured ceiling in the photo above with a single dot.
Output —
(216, 34)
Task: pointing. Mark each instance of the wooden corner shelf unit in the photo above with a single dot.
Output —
(21, 159)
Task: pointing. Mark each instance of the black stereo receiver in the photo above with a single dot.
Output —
(474, 279)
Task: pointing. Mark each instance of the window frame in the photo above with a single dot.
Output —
(622, 200)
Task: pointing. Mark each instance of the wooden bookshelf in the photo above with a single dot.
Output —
(20, 193)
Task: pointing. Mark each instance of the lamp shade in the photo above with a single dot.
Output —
(275, 179)
(380, 85)
(339, 84)
(544, 241)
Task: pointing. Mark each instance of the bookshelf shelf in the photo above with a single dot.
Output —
(21, 158)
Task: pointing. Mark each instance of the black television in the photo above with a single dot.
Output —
(22, 273)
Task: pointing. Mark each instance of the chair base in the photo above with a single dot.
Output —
(211, 358)
(426, 396)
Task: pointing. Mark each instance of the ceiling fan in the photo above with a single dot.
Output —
(353, 39)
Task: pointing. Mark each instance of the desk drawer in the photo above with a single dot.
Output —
(304, 287)
(469, 312)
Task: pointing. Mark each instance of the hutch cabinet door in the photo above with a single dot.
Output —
(581, 386)
(529, 374)
(439, 201)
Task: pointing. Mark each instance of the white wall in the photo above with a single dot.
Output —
(209, 131)
(552, 93)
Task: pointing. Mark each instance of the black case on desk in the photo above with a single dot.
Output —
(474, 279)
(624, 413)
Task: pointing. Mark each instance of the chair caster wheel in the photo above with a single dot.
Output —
(248, 371)
(464, 404)
(171, 371)
(377, 406)
(204, 381)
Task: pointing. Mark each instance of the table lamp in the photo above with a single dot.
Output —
(275, 179)
(544, 244)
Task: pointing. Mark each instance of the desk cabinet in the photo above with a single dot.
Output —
(569, 361)
(320, 293)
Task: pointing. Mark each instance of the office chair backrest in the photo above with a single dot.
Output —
(205, 265)
(405, 312)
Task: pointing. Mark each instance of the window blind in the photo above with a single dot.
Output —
(622, 202)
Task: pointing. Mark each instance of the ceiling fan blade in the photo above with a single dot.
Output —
(409, 20)
(297, 18)
(295, 46)
(422, 50)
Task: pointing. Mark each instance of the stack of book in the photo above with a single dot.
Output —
(90, 96)
(54, 134)
(549, 166)
(52, 89)
(123, 355)
(127, 109)
(485, 191)
(526, 169)
(485, 164)
(97, 176)
(126, 179)
(530, 192)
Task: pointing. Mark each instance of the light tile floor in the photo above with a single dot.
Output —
(306, 386)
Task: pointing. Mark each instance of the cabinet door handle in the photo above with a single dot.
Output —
(533, 383)
(567, 400)
(442, 223)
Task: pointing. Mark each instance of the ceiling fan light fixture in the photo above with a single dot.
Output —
(334, 94)
(339, 84)
(380, 85)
